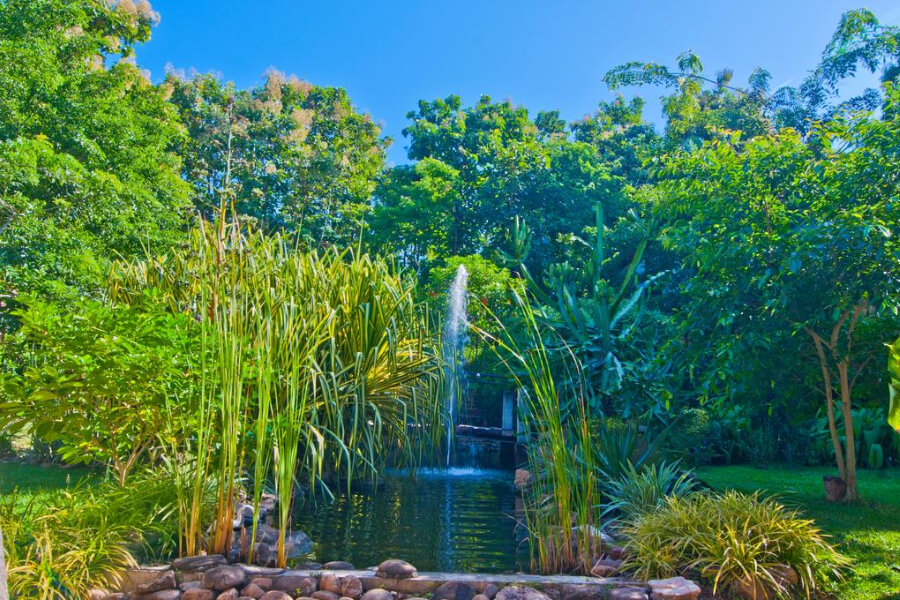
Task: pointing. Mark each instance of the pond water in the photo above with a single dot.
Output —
(460, 518)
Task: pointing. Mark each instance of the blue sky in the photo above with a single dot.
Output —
(542, 55)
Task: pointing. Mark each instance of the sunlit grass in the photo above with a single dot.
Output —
(868, 532)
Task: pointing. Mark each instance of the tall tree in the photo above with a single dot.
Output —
(87, 170)
(301, 157)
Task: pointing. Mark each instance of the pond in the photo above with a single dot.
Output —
(460, 518)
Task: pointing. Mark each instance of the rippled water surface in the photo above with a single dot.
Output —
(456, 519)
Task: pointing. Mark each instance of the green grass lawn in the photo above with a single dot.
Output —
(34, 478)
(869, 532)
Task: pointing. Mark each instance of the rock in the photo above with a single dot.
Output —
(263, 554)
(522, 478)
(605, 567)
(454, 590)
(246, 598)
(480, 597)
(161, 595)
(339, 565)
(229, 594)
(490, 590)
(785, 575)
(758, 589)
(296, 585)
(263, 582)
(97, 594)
(165, 581)
(198, 563)
(198, 594)
(835, 488)
(351, 587)
(578, 591)
(189, 585)
(378, 594)
(223, 577)
(617, 552)
(674, 588)
(309, 565)
(325, 595)
(330, 582)
(346, 598)
(117, 596)
(253, 591)
(628, 593)
(520, 592)
(276, 595)
(396, 569)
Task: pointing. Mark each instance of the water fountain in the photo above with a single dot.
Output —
(456, 329)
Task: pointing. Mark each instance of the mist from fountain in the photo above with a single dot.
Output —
(456, 330)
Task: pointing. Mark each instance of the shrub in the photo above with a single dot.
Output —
(734, 540)
(640, 491)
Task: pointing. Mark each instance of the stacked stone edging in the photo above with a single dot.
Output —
(212, 578)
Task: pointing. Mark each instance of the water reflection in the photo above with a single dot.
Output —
(455, 519)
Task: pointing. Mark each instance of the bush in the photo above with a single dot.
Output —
(641, 491)
(736, 541)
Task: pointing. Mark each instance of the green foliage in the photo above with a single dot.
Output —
(98, 379)
(733, 540)
(72, 194)
(894, 369)
(63, 543)
(638, 492)
(330, 353)
(293, 155)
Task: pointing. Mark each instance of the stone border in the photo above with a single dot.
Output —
(212, 578)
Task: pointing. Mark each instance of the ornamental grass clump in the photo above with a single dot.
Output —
(743, 543)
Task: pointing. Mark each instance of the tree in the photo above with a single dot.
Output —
(791, 239)
(99, 379)
(301, 157)
(86, 167)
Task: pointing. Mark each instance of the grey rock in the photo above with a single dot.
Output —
(480, 597)
(520, 592)
(276, 595)
(582, 592)
(674, 588)
(296, 585)
(264, 582)
(396, 569)
(309, 565)
(377, 594)
(490, 590)
(351, 587)
(253, 591)
(161, 595)
(198, 563)
(338, 565)
(325, 595)
(454, 590)
(198, 594)
(605, 567)
(628, 593)
(224, 577)
(165, 581)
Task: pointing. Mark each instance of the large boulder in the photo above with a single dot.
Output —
(338, 565)
(193, 564)
(396, 569)
(295, 585)
(351, 587)
(377, 594)
(276, 595)
(520, 592)
(164, 581)
(673, 588)
(454, 590)
(224, 577)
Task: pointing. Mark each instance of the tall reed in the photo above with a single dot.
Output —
(561, 512)
(309, 365)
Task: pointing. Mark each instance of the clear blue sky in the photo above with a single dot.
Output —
(543, 55)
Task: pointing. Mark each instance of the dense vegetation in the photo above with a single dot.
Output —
(176, 256)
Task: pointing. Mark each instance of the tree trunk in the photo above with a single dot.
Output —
(850, 441)
(4, 591)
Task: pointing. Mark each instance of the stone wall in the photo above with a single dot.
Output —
(213, 578)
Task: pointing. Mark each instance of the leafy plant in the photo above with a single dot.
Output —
(638, 492)
(736, 541)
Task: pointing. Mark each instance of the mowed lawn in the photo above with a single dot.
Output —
(869, 532)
